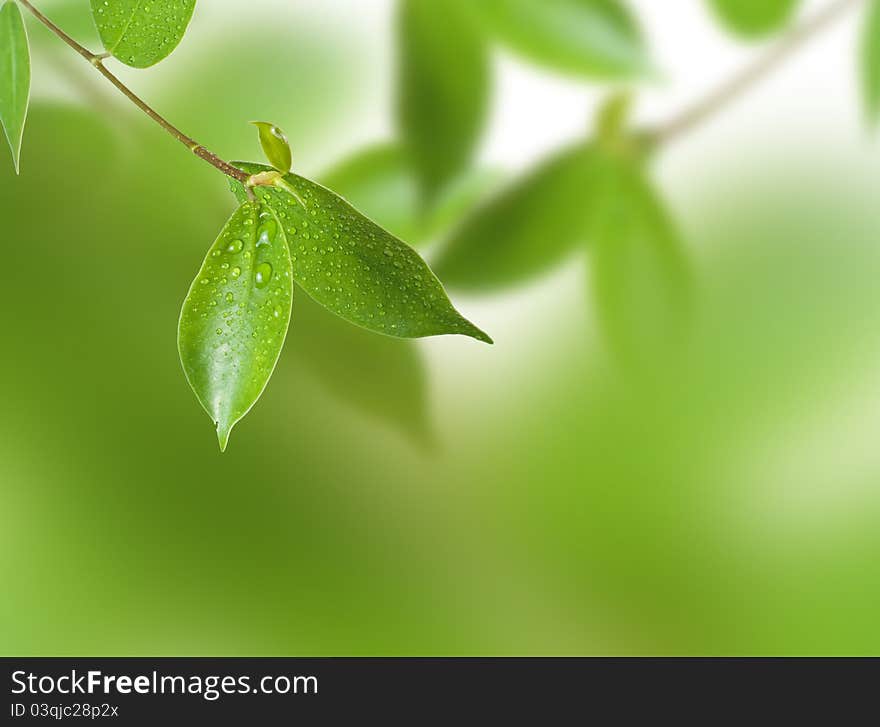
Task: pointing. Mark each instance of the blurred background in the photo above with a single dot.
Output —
(695, 472)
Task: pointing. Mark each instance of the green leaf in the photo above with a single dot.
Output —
(640, 272)
(754, 18)
(15, 77)
(356, 269)
(235, 317)
(526, 230)
(443, 89)
(381, 182)
(871, 63)
(140, 33)
(596, 39)
(275, 146)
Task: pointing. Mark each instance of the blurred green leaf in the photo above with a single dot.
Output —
(641, 276)
(595, 39)
(15, 77)
(871, 62)
(355, 268)
(443, 88)
(275, 146)
(381, 182)
(140, 34)
(235, 317)
(390, 383)
(754, 18)
(527, 229)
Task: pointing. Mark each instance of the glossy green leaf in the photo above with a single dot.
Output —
(15, 77)
(381, 182)
(871, 62)
(443, 88)
(275, 146)
(640, 272)
(526, 230)
(588, 38)
(140, 33)
(235, 317)
(755, 18)
(355, 268)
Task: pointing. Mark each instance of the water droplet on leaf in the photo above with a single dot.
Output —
(263, 275)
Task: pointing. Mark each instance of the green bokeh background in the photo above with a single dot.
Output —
(441, 497)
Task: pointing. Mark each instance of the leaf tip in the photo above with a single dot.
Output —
(476, 333)
(223, 432)
(16, 159)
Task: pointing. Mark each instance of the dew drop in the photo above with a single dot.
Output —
(263, 275)
(266, 233)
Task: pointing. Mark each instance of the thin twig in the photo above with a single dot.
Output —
(733, 89)
(98, 62)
